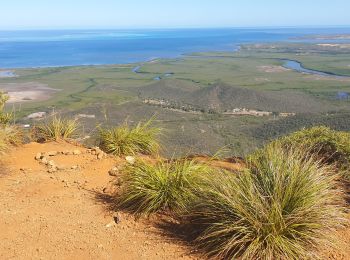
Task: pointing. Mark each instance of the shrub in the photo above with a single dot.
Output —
(282, 207)
(330, 146)
(150, 188)
(56, 129)
(10, 135)
(5, 118)
(125, 140)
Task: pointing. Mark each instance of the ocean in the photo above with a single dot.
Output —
(24, 49)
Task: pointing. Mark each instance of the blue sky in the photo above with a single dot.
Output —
(29, 14)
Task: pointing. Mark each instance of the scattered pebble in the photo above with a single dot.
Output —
(130, 159)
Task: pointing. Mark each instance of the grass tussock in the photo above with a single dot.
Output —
(282, 207)
(10, 135)
(165, 186)
(329, 146)
(126, 140)
(56, 129)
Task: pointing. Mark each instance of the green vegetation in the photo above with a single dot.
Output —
(56, 129)
(164, 186)
(199, 88)
(10, 135)
(282, 207)
(125, 140)
(329, 146)
(5, 118)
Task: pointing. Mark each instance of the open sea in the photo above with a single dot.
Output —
(23, 49)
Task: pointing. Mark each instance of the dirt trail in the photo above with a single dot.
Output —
(56, 215)
(59, 216)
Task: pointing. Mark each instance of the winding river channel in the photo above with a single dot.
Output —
(298, 66)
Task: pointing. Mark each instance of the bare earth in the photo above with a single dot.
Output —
(57, 216)
(24, 92)
(63, 215)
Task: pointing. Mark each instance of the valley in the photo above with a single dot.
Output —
(202, 100)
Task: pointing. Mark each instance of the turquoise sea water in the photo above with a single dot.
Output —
(22, 49)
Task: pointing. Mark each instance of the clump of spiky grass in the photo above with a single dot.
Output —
(167, 185)
(282, 207)
(329, 146)
(126, 140)
(10, 135)
(56, 129)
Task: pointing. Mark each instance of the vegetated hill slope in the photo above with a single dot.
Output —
(274, 129)
(221, 96)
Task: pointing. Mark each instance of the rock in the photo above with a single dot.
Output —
(114, 171)
(130, 160)
(44, 160)
(76, 152)
(100, 155)
(38, 156)
(51, 163)
(52, 170)
(52, 153)
(68, 153)
(74, 167)
(116, 218)
(111, 224)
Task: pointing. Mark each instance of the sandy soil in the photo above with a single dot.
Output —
(24, 92)
(58, 216)
(68, 215)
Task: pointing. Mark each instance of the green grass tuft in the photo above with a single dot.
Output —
(282, 207)
(56, 129)
(125, 140)
(10, 135)
(150, 188)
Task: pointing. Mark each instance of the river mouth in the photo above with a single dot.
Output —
(298, 66)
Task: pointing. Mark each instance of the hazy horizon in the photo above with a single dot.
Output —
(157, 14)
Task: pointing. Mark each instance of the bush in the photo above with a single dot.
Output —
(282, 207)
(124, 140)
(56, 129)
(10, 135)
(329, 146)
(150, 188)
(5, 118)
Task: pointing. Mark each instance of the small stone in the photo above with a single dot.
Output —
(68, 153)
(76, 152)
(44, 160)
(116, 218)
(51, 163)
(93, 152)
(130, 159)
(74, 167)
(52, 170)
(38, 156)
(114, 171)
(52, 153)
(111, 224)
(100, 155)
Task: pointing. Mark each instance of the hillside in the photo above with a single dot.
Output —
(221, 97)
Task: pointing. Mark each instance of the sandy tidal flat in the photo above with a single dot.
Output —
(24, 92)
